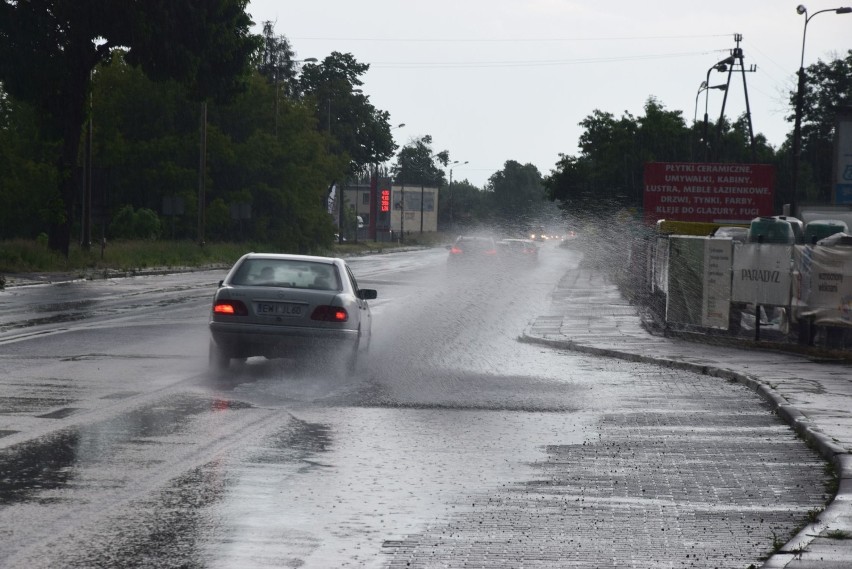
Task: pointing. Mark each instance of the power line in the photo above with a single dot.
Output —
(510, 40)
(536, 63)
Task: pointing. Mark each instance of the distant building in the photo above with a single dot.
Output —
(411, 209)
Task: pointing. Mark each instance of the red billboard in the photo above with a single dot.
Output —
(708, 192)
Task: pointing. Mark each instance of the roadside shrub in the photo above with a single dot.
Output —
(139, 224)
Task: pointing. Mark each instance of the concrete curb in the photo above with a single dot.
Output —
(839, 457)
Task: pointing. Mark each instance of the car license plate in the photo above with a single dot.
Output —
(279, 308)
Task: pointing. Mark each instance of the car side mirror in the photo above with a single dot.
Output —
(221, 283)
(367, 294)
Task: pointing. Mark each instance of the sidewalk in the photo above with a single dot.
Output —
(589, 314)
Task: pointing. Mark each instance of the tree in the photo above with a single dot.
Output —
(518, 194)
(609, 171)
(50, 47)
(276, 62)
(25, 179)
(828, 88)
(356, 128)
(415, 164)
(465, 204)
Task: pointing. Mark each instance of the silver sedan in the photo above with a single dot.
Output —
(300, 307)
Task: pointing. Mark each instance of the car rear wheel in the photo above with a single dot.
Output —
(218, 359)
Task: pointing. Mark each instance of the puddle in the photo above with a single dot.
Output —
(31, 468)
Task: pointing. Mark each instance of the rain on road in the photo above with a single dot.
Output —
(458, 446)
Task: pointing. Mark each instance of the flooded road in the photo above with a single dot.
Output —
(457, 445)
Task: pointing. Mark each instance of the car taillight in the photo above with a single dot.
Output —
(455, 251)
(230, 308)
(491, 251)
(330, 314)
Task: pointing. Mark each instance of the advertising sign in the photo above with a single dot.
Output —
(716, 300)
(699, 284)
(843, 162)
(825, 292)
(708, 192)
(762, 274)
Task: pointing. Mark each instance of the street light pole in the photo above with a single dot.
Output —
(800, 95)
(450, 188)
(721, 66)
(702, 89)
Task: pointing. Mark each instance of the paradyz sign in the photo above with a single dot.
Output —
(708, 192)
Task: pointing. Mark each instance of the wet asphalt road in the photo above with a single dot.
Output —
(458, 446)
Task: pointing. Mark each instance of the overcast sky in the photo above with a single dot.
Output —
(498, 80)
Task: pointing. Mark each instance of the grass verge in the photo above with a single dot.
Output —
(21, 256)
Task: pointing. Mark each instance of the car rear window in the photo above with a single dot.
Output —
(475, 244)
(287, 273)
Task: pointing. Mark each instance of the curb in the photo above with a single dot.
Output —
(838, 457)
(33, 279)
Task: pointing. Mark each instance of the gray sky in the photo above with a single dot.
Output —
(497, 80)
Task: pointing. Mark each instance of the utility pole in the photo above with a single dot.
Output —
(402, 214)
(737, 54)
(86, 240)
(202, 168)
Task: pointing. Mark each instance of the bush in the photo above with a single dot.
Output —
(140, 224)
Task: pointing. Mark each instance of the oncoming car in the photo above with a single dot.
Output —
(301, 307)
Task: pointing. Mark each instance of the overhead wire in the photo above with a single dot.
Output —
(511, 40)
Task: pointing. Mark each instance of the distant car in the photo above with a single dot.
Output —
(523, 250)
(470, 250)
(290, 306)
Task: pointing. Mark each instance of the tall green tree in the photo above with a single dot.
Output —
(145, 143)
(518, 194)
(608, 173)
(465, 205)
(276, 63)
(27, 180)
(356, 128)
(828, 89)
(146, 136)
(416, 164)
(48, 49)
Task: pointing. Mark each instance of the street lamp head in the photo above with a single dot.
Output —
(800, 9)
(723, 65)
(843, 10)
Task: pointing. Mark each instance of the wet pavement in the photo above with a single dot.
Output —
(814, 397)
(695, 490)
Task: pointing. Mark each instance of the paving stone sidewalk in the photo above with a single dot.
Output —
(589, 314)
